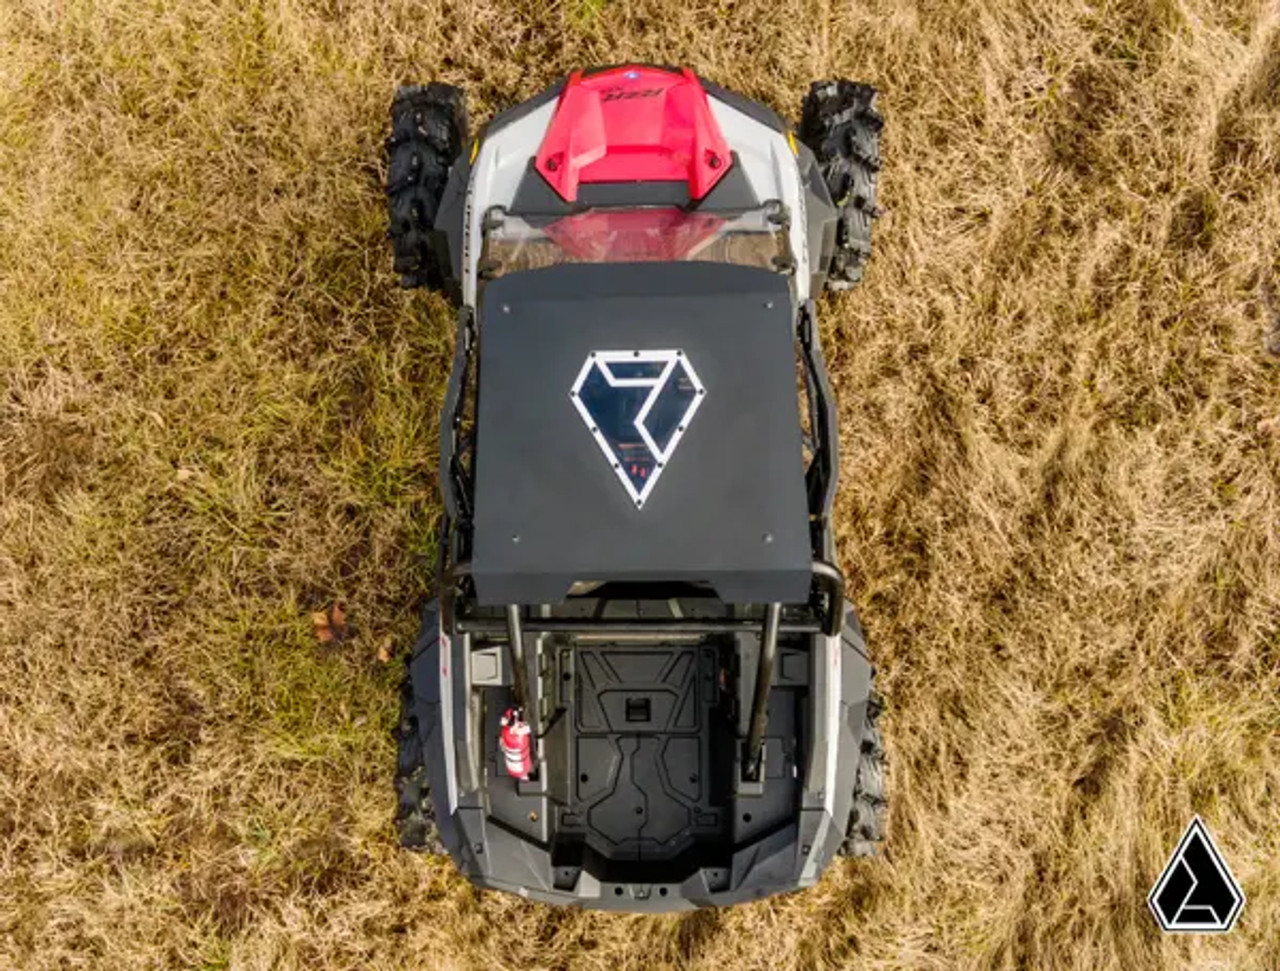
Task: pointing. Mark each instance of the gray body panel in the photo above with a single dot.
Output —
(730, 508)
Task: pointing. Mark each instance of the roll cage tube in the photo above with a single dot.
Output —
(821, 476)
(455, 481)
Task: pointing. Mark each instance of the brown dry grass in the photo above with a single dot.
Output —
(1059, 511)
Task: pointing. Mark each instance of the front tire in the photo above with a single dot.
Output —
(428, 130)
(840, 124)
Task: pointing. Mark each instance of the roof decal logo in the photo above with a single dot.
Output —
(637, 406)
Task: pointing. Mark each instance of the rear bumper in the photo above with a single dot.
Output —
(750, 865)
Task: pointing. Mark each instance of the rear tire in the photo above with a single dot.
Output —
(870, 806)
(840, 124)
(428, 130)
(415, 813)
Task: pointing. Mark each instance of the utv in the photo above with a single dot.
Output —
(640, 686)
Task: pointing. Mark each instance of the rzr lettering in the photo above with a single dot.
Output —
(622, 94)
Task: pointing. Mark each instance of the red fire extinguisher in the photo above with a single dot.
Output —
(517, 745)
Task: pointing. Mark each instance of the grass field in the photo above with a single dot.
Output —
(1059, 512)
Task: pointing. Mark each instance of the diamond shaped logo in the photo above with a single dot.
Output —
(637, 406)
(1196, 893)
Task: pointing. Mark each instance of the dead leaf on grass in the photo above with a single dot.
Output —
(331, 625)
(385, 650)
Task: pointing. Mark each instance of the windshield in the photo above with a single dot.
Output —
(756, 238)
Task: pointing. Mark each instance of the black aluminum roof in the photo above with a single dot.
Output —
(729, 507)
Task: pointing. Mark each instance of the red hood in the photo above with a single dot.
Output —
(633, 124)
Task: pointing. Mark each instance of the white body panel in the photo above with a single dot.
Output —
(498, 168)
(773, 172)
(833, 649)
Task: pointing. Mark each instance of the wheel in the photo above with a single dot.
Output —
(841, 125)
(415, 813)
(428, 130)
(870, 807)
